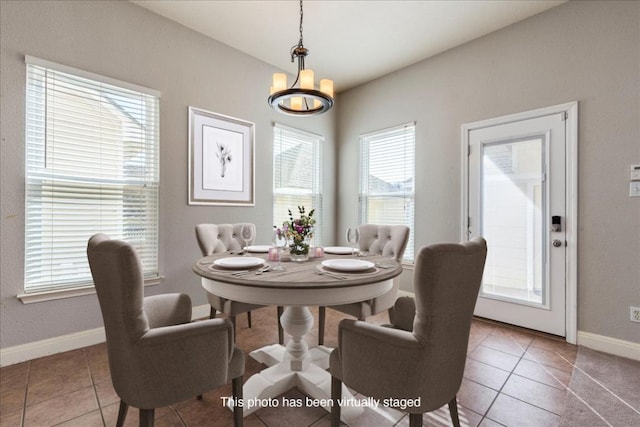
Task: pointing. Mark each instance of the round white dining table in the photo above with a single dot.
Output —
(300, 285)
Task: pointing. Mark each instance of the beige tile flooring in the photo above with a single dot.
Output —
(513, 378)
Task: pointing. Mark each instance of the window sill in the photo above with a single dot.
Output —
(34, 297)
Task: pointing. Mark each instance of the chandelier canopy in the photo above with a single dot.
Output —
(303, 99)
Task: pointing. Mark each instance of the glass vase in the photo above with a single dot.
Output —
(299, 250)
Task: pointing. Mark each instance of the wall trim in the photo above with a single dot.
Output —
(609, 345)
(46, 347)
(49, 346)
(200, 312)
(615, 346)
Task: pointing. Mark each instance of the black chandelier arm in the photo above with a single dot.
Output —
(299, 52)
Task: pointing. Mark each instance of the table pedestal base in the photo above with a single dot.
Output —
(293, 367)
(262, 389)
(273, 354)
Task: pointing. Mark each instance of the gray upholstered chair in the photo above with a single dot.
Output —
(157, 356)
(423, 355)
(216, 238)
(387, 240)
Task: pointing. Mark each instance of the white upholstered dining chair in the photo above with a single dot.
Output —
(423, 354)
(157, 355)
(217, 238)
(387, 240)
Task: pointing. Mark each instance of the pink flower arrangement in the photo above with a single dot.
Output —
(298, 231)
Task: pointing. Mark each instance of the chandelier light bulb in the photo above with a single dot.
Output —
(306, 79)
(326, 86)
(279, 82)
(296, 103)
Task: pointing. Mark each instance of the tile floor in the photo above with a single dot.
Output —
(513, 378)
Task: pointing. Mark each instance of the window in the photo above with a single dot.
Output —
(91, 166)
(387, 185)
(297, 165)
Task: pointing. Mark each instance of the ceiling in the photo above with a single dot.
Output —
(350, 42)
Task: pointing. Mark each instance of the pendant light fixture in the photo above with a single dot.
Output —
(303, 99)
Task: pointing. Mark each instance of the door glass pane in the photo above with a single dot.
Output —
(513, 210)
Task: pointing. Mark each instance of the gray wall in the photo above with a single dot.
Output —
(584, 51)
(581, 51)
(123, 41)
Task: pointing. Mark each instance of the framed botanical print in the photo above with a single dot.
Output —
(221, 163)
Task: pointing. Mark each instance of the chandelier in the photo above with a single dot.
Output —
(304, 99)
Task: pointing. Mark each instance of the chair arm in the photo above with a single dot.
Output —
(195, 335)
(167, 309)
(174, 363)
(380, 362)
(375, 334)
(403, 313)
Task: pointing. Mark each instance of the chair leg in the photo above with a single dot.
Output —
(415, 420)
(336, 395)
(233, 322)
(122, 414)
(212, 313)
(322, 314)
(249, 318)
(236, 390)
(280, 330)
(453, 410)
(146, 417)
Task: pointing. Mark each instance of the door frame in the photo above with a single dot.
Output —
(570, 109)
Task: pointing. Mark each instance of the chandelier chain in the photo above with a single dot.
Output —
(301, 17)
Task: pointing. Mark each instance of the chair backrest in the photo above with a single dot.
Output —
(447, 280)
(216, 238)
(118, 278)
(387, 240)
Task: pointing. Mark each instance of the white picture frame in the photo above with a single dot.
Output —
(221, 159)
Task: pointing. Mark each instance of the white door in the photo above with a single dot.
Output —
(517, 202)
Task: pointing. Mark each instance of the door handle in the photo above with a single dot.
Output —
(556, 243)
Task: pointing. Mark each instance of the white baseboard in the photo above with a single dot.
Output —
(200, 312)
(34, 350)
(617, 347)
(46, 347)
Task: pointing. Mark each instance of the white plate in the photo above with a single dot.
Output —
(338, 250)
(258, 248)
(348, 264)
(239, 262)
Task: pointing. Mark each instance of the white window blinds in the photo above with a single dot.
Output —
(297, 166)
(91, 166)
(387, 186)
